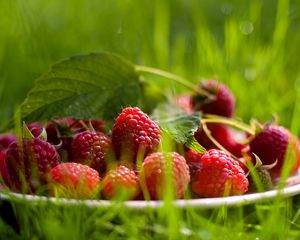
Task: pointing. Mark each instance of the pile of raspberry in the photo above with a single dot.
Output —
(77, 158)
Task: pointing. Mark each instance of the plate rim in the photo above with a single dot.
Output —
(245, 199)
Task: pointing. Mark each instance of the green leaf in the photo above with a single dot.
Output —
(97, 85)
(176, 123)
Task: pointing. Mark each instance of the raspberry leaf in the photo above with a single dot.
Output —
(97, 85)
(179, 125)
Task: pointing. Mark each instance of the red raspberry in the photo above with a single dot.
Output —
(221, 102)
(219, 176)
(121, 182)
(60, 132)
(35, 128)
(272, 144)
(29, 162)
(223, 134)
(192, 156)
(193, 160)
(134, 131)
(74, 180)
(91, 148)
(4, 175)
(55, 130)
(185, 103)
(6, 139)
(97, 125)
(153, 172)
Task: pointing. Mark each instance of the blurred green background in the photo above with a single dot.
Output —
(254, 46)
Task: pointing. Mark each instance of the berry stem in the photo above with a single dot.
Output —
(218, 145)
(208, 118)
(174, 77)
(209, 135)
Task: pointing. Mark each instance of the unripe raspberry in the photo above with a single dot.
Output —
(121, 182)
(154, 173)
(74, 180)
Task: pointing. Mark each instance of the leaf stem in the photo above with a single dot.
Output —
(208, 118)
(174, 77)
(165, 74)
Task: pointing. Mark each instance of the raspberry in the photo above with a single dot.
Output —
(192, 156)
(219, 176)
(121, 182)
(60, 132)
(4, 175)
(185, 103)
(221, 102)
(74, 180)
(134, 132)
(6, 139)
(223, 135)
(272, 144)
(264, 178)
(29, 162)
(91, 148)
(97, 125)
(154, 170)
(193, 160)
(35, 128)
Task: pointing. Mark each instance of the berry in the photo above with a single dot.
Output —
(91, 148)
(193, 160)
(35, 128)
(272, 144)
(4, 175)
(220, 102)
(60, 132)
(97, 125)
(192, 156)
(219, 176)
(155, 169)
(74, 180)
(185, 103)
(223, 135)
(134, 133)
(28, 163)
(6, 139)
(264, 178)
(121, 182)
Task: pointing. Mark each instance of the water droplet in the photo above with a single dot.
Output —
(250, 74)
(246, 27)
(120, 29)
(226, 8)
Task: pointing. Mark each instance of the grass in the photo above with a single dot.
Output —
(253, 46)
